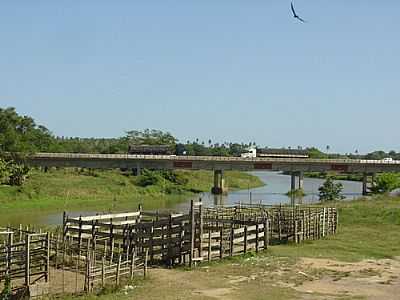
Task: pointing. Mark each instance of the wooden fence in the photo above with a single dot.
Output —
(25, 256)
(165, 237)
(204, 233)
(101, 272)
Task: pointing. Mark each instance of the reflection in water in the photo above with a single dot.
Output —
(274, 192)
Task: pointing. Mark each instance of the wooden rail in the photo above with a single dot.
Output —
(204, 233)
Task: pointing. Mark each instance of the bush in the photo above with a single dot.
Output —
(148, 177)
(330, 190)
(385, 183)
(12, 173)
(170, 180)
(6, 292)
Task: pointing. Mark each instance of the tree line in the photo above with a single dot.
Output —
(23, 135)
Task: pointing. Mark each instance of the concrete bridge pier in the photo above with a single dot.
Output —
(365, 189)
(137, 170)
(219, 183)
(364, 184)
(301, 180)
(293, 181)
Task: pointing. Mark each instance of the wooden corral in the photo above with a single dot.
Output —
(203, 233)
(25, 260)
(37, 264)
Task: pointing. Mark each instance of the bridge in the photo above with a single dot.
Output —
(295, 166)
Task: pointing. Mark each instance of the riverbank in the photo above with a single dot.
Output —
(334, 176)
(361, 262)
(68, 189)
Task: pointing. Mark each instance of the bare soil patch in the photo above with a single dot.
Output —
(369, 279)
(277, 278)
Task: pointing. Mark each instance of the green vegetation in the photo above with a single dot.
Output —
(335, 176)
(369, 228)
(12, 173)
(385, 183)
(88, 190)
(6, 292)
(330, 191)
(297, 193)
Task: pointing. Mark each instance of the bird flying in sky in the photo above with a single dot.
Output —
(294, 13)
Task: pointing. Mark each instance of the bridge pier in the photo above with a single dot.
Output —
(293, 182)
(219, 183)
(364, 184)
(300, 185)
(301, 180)
(365, 189)
(137, 171)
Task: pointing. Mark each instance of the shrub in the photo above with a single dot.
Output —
(12, 173)
(330, 190)
(385, 183)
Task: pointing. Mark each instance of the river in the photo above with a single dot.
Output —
(274, 191)
(276, 185)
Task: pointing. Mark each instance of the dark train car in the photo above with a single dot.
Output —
(152, 149)
(282, 153)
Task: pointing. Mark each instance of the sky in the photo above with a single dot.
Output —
(225, 70)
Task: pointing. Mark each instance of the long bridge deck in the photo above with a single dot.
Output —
(109, 161)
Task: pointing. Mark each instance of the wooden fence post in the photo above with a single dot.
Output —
(103, 272)
(209, 245)
(47, 266)
(192, 232)
(323, 222)
(245, 239)
(201, 228)
(118, 270)
(231, 240)
(145, 264)
(27, 259)
(132, 271)
(221, 249)
(266, 230)
(257, 237)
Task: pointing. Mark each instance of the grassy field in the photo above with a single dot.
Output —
(359, 261)
(67, 189)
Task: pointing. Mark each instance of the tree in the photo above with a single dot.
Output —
(150, 137)
(330, 190)
(385, 183)
(21, 133)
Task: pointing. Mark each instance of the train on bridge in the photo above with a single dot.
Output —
(180, 149)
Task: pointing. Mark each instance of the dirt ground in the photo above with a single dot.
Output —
(276, 278)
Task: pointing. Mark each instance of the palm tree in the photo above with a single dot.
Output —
(328, 148)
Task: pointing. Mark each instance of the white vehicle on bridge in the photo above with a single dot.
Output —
(387, 159)
(275, 153)
(251, 153)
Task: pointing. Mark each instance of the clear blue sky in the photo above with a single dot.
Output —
(229, 70)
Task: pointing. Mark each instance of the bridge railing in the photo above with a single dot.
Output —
(209, 158)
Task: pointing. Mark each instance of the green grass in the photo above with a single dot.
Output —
(368, 228)
(67, 189)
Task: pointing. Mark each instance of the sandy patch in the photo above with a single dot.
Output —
(372, 279)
